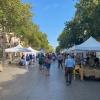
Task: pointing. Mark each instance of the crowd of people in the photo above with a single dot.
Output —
(67, 62)
(63, 61)
(27, 59)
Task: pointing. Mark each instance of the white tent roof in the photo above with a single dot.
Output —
(32, 50)
(23, 50)
(89, 45)
(72, 48)
(18, 48)
(13, 49)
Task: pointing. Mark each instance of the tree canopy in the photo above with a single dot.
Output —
(16, 17)
(85, 23)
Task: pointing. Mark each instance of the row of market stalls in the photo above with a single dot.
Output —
(14, 54)
(19, 48)
(89, 45)
(88, 51)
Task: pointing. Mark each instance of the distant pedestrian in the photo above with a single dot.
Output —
(53, 57)
(34, 58)
(41, 61)
(22, 61)
(31, 58)
(60, 61)
(48, 64)
(27, 61)
(69, 66)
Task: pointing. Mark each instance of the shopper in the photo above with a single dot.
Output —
(60, 61)
(69, 66)
(41, 61)
(48, 64)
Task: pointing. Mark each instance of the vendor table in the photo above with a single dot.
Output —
(87, 72)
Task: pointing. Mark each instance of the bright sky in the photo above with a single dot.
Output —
(51, 15)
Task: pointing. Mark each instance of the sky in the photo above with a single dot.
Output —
(51, 16)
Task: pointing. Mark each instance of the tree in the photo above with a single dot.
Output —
(16, 17)
(85, 23)
(16, 14)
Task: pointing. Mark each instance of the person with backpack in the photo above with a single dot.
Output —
(41, 61)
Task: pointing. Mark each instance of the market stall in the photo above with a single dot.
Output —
(15, 54)
(33, 51)
(90, 66)
(18, 48)
(89, 45)
(14, 49)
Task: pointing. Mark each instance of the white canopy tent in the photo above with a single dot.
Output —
(24, 50)
(72, 48)
(13, 49)
(89, 45)
(33, 51)
(18, 48)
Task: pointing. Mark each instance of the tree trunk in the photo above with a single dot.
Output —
(3, 49)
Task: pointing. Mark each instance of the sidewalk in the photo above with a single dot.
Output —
(9, 72)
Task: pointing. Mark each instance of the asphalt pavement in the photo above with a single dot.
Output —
(33, 84)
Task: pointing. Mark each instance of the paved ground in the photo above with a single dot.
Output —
(20, 84)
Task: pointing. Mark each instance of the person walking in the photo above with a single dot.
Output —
(60, 61)
(69, 66)
(53, 57)
(41, 61)
(48, 64)
(27, 61)
(31, 58)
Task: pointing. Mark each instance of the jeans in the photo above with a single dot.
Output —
(60, 64)
(68, 74)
